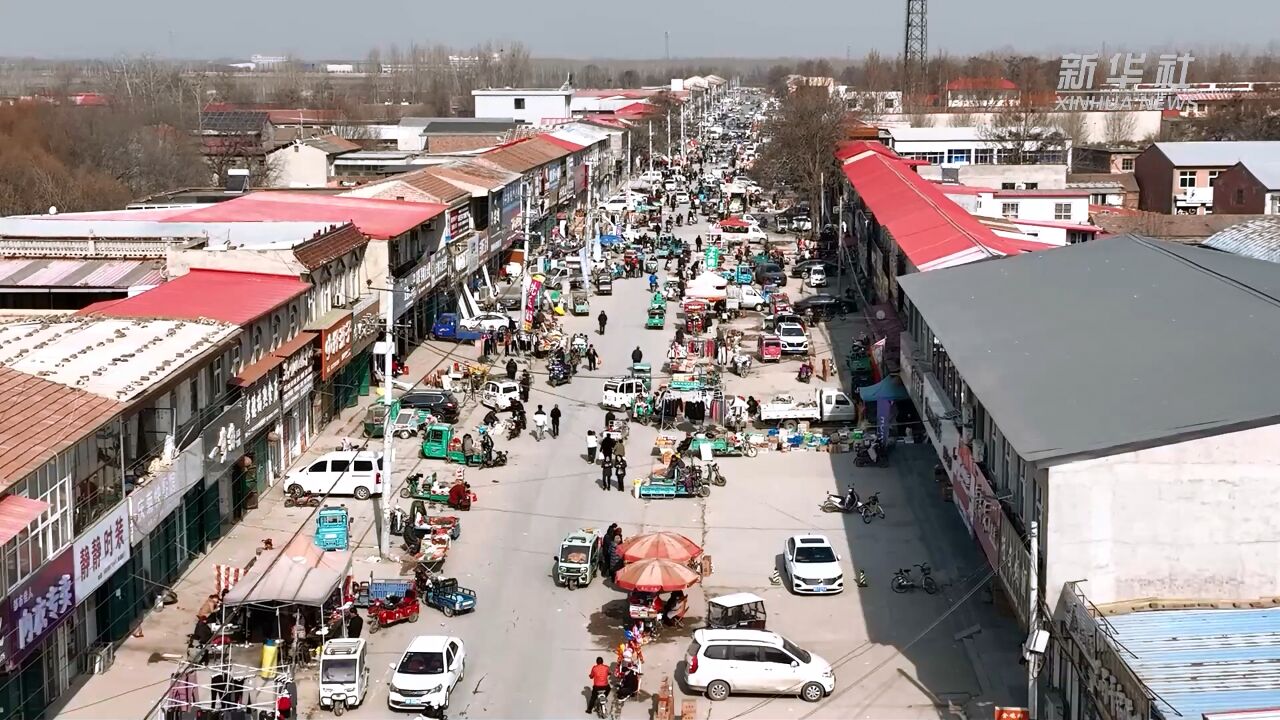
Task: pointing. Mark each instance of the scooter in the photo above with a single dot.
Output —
(302, 499)
(714, 476)
(805, 373)
(836, 503)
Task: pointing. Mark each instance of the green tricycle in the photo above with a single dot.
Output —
(728, 445)
(439, 442)
(641, 409)
(425, 487)
(657, 318)
(643, 371)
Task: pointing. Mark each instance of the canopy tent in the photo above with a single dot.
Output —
(298, 574)
(607, 240)
(710, 279)
(734, 222)
(707, 286)
(889, 389)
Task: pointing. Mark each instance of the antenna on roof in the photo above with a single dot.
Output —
(568, 82)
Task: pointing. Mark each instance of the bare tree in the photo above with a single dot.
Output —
(961, 119)
(919, 119)
(802, 142)
(1252, 119)
(1024, 136)
(1073, 125)
(1119, 128)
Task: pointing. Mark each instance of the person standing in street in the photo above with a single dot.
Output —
(511, 369)
(606, 447)
(636, 355)
(592, 358)
(526, 382)
(593, 444)
(606, 471)
(620, 471)
(602, 319)
(555, 421)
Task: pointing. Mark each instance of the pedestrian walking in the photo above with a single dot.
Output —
(555, 421)
(511, 369)
(602, 319)
(593, 358)
(606, 447)
(593, 444)
(620, 471)
(606, 473)
(526, 381)
(636, 355)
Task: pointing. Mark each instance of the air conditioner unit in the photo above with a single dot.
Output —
(978, 450)
(104, 656)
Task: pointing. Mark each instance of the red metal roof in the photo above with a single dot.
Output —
(16, 513)
(735, 222)
(238, 298)
(927, 226)
(380, 219)
(1060, 224)
(560, 142)
(635, 109)
(852, 148)
(976, 83)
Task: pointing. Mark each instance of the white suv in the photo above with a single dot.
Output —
(431, 667)
(813, 567)
(794, 340)
(721, 662)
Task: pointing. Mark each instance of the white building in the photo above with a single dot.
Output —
(1002, 177)
(871, 102)
(956, 146)
(1056, 217)
(536, 106)
(307, 163)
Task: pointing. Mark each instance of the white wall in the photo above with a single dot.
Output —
(1047, 177)
(1143, 123)
(1035, 208)
(536, 107)
(1191, 520)
(299, 166)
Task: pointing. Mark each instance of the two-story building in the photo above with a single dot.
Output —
(1249, 188)
(1179, 177)
(1110, 454)
(547, 188)
(535, 106)
(958, 146)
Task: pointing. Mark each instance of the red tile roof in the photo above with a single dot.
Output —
(326, 247)
(977, 83)
(931, 230)
(238, 298)
(52, 418)
(570, 146)
(524, 155)
(636, 109)
(379, 219)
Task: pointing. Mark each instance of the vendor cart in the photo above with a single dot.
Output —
(581, 305)
(723, 444)
(695, 322)
(683, 482)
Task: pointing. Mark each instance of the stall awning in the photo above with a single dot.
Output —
(299, 574)
(16, 513)
(890, 388)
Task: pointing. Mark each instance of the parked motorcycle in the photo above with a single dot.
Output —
(902, 580)
(836, 503)
(301, 498)
(713, 474)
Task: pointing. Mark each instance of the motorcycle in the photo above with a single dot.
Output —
(714, 476)
(741, 365)
(805, 373)
(902, 580)
(871, 452)
(871, 508)
(497, 458)
(836, 503)
(302, 499)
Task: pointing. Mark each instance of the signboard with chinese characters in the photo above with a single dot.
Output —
(223, 442)
(460, 221)
(262, 402)
(102, 550)
(1122, 88)
(532, 290)
(151, 503)
(511, 197)
(986, 508)
(1015, 567)
(366, 322)
(335, 346)
(36, 608)
(297, 375)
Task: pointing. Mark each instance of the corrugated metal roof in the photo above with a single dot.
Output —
(1216, 153)
(1266, 172)
(1257, 238)
(1201, 661)
(88, 274)
(237, 298)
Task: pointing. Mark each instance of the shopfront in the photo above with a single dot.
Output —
(165, 517)
(367, 326)
(262, 446)
(297, 380)
(223, 447)
(333, 395)
(33, 651)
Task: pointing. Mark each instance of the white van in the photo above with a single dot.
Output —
(722, 662)
(341, 472)
(619, 392)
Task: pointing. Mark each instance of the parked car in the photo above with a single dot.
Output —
(770, 274)
(722, 662)
(357, 473)
(491, 322)
(794, 339)
(813, 567)
(817, 277)
(801, 224)
(802, 268)
(428, 671)
(441, 403)
(823, 304)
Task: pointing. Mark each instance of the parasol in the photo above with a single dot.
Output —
(668, 545)
(655, 575)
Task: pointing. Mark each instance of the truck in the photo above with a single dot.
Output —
(446, 327)
(747, 297)
(826, 405)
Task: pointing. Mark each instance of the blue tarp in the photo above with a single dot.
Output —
(890, 388)
(607, 240)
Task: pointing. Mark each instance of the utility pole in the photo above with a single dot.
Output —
(650, 146)
(666, 42)
(389, 319)
(668, 133)
(683, 159)
(1033, 612)
(527, 203)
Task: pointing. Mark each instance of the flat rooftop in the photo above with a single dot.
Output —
(111, 358)
(1112, 345)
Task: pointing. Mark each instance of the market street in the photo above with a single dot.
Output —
(530, 643)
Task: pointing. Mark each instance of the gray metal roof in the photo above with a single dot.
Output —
(1203, 661)
(1220, 154)
(1111, 345)
(1266, 171)
(1258, 238)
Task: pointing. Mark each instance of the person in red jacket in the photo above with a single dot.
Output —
(599, 675)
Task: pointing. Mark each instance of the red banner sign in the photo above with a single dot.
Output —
(531, 303)
(335, 346)
(986, 508)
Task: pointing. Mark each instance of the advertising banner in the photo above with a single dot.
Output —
(36, 608)
(102, 550)
(531, 302)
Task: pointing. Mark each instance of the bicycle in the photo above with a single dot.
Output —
(871, 509)
(902, 580)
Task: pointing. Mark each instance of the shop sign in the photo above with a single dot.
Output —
(102, 550)
(153, 502)
(511, 196)
(580, 177)
(223, 441)
(553, 179)
(986, 508)
(1015, 567)
(37, 607)
(460, 221)
(366, 321)
(262, 402)
(531, 303)
(496, 241)
(408, 288)
(297, 375)
(335, 346)
(1106, 673)
(439, 267)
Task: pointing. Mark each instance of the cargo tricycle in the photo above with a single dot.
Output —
(333, 527)
(444, 594)
(727, 445)
(394, 609)
(578, 559)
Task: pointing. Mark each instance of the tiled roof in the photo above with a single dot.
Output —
(1099, 180)
(524, 155)
(1184, 228)
(237, 298)
(430, 182)
(477, 173)
(43, 418)
(326, 247)
(331, 144)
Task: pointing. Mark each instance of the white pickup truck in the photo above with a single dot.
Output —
(827, 405)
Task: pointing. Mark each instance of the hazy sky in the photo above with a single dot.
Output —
(334, 29)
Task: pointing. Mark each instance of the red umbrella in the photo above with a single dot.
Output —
(655, 575)
(669, 545)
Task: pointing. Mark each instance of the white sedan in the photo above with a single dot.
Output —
(490, 322)
(428, 671)
(813, 567)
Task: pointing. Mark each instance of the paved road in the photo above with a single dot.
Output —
(529, 644)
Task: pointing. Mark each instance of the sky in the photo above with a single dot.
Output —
(336, 29)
